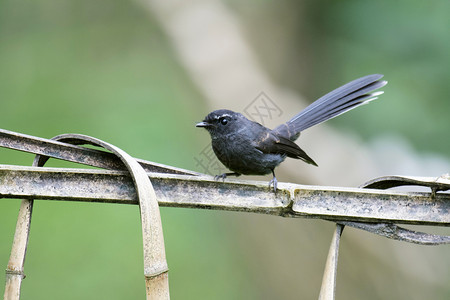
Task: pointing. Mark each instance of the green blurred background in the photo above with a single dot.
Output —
(107, 69)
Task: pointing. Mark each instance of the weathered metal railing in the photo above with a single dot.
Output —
(369, 208)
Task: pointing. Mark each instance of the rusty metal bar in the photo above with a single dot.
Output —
(66, 151)
(292, 200)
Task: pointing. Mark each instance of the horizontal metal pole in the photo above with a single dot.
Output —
(291, 200)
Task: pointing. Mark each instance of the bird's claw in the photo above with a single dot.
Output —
(221, 176)
(274, 181)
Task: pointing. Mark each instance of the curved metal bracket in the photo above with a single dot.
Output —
(398, 233)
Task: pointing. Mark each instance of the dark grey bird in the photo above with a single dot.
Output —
(248, 148)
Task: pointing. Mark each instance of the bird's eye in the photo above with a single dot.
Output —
(223, 121)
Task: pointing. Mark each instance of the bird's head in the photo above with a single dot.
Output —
(222, 122)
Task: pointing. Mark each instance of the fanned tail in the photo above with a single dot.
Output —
(338, 101)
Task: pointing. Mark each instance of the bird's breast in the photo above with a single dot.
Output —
(238, 154)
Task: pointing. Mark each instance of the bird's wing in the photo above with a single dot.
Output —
(272, 143)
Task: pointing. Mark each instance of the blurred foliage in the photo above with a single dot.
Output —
(105, 69)
(407, 41)
(314, 46)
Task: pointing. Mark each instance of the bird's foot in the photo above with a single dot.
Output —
(275, 183)
(221, 176)
(224, 175)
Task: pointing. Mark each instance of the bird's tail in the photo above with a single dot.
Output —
(339, 101)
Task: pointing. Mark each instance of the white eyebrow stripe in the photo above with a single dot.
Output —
(221, 116)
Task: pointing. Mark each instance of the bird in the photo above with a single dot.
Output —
(248, 148)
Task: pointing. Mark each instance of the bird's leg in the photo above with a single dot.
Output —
(274, 182)
(224, 175)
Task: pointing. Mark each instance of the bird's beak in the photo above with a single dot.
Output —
(202, 124)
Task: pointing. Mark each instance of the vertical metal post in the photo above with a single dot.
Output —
(14, 270)
(328, 288)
